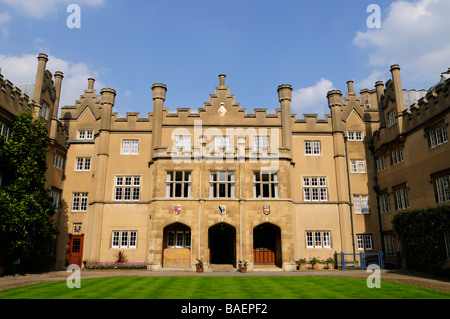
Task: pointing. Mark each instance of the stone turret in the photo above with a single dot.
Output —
(285, 98)
(159, 96)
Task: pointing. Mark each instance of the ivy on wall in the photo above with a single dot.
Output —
(422, 233)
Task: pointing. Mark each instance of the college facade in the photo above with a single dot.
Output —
(223, 184)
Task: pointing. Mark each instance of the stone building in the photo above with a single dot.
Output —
(223, 184)
(219, 184)
(412, 153)
(42, 98)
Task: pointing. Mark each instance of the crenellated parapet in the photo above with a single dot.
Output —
(434, 103)
(12, 99)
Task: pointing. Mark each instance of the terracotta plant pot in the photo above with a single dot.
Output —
(199, 269)
(315, 266)
(330, 266)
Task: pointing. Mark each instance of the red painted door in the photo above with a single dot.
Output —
(75, 254)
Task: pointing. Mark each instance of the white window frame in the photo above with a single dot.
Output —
(442, 186)
(85, 135)
(315, 189)
(83, 164)
(222, 142)
(364, 241)
(438, 136)
(384, 202)
(183, 142)
(4, 131)
(355, 136)
(381, 164)
(124, 239)
(127, 188)
(79, 202)
(130, 147)
(361, 204)
(318, 239)
(397, 156)
(392, 118)
(260, 142)
(401, 198)
(58, 161)
(313, 148)
(175, 237)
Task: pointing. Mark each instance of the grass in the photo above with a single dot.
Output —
(223, 288)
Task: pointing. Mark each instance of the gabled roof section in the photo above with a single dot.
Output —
(90, 99)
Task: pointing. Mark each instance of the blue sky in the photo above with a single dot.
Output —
(313, 45)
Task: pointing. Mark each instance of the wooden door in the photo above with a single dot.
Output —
(263, 256)
(75, 253)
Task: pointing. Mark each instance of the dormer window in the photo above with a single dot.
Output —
(44, 111)
(392, 118)
(86, 135)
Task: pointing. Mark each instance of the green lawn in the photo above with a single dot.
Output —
(223, 288)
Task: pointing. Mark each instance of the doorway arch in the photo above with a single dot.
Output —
(177, 246)
(222, 244)
(267, 245)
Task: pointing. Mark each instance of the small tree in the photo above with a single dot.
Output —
(27, 232)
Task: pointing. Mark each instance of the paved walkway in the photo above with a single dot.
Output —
(8, 282)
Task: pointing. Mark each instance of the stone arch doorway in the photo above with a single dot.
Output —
(267, 245)
(222, 244)
(177, 246)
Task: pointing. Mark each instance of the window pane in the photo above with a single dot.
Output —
(265, 190)
(124, 241)
(171, 239)
(126, 147)
(87, 164)
(133, 237)
(187, 239)
(134, 147)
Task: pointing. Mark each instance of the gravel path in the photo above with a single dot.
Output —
(8, 282)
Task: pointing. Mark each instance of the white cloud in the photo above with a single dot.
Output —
(22, 70)
(312, 100)
(415, 35)
(42, 8)
(5, 17)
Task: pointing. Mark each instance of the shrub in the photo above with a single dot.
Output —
(422, 232)
(116, 265)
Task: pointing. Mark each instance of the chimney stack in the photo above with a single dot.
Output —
(91, 84)
(285, 98)
(58, 80)
(350, 86)
(395, 71)
(222, 79)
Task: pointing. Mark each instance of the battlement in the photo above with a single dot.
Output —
(12, 98)
(435, 101)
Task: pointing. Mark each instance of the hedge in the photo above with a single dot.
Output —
(116, 265)
(422, 233)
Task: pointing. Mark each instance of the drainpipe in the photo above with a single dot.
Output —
(376, 187)
(349, 196)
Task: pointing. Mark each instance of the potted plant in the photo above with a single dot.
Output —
(199, 265)
(330, 263)
(314, 262)
(242, 266)
(301, 263)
